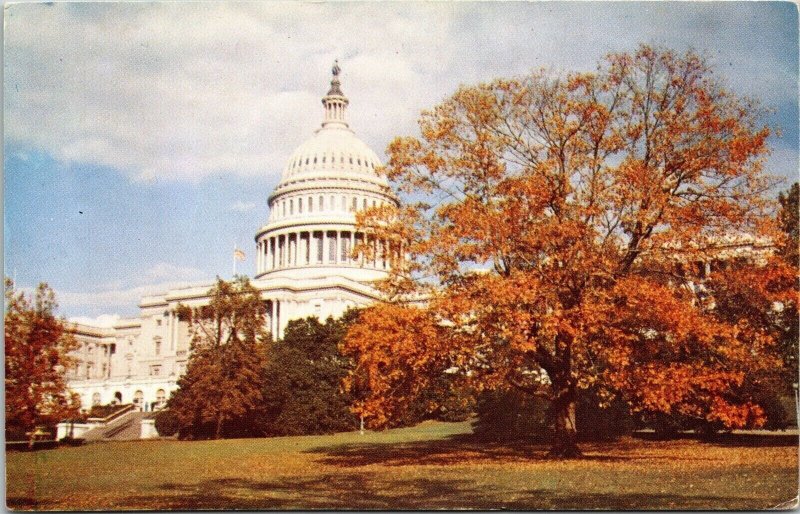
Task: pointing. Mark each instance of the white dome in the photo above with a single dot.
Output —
(312, 229)
(333, 152)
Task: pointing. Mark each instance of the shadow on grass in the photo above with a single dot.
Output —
(767, 439)
(452, 450)
(363, 491)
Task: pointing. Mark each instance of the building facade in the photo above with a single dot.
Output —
(305, 266)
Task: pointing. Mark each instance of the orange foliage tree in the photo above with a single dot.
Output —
(548, 219)
(37, 348)
(221, 392)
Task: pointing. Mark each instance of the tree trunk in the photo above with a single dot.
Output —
(218, 433)
(565, 437)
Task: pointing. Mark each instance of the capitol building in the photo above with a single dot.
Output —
(305, 266)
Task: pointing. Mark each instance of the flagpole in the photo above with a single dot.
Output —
(234, 260)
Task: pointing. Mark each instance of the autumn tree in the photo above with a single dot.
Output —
(37, 347)
(554, 235)
(221, 392)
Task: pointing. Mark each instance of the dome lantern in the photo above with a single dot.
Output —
(335, 102)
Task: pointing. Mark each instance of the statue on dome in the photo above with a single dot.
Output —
(336, 69)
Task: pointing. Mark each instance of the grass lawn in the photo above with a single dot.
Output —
(431, 466)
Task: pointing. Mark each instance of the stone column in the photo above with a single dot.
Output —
(170, 321)
(175, 332)
(271, 259)
(273, 320)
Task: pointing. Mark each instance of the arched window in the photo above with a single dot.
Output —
(161, 398)
(118, 397)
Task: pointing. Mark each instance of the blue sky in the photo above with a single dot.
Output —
(142, 139)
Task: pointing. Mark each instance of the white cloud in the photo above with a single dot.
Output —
(103, 320)
(124, 296)
(181, 91)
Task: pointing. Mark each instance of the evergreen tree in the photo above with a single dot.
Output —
(221, 393)
(302, 392)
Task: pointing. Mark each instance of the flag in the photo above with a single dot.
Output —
(238, 254)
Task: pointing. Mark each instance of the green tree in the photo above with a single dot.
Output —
(788, 219)
(221, 393)
(37, 347)
(302, 393)
(790, 224)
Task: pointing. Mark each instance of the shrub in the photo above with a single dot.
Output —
(512, 415)
(167, 423)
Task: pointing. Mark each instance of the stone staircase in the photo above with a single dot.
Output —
(124, 428)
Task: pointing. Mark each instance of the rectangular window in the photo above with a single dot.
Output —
(300, 206)
(320, 249)
(355, 204)
(155, 370)
(331, 246)
(158, 347)
(345, 246)
(359, 242)
(310, 204)
(291, 207)
(307, 240)
(321, 203)
(344, 203)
